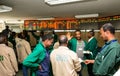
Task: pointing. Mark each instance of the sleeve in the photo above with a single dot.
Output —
(28, 48)
(13, 60)
(108, 62)
(34, 59)
(76, 62)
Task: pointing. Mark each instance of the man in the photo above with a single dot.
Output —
(107, 61)
(39, 60)
(64, 61)
(91, 50)
(55, 36)
(8, 62)
(77, 45)
(7, 31)
(23, 50)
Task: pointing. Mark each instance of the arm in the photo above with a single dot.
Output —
(13, 60)
(34, 59)
(108, 62)
(28, 48)
(76, 63)
(19, 49)
(89, 61)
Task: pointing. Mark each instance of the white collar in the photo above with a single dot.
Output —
(90, 39)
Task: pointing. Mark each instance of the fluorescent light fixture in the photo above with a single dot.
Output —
(46, 18)
(55, 2)
(14, 21)
(86, 16)
(4, 8)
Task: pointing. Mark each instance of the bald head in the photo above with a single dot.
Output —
(63, 40)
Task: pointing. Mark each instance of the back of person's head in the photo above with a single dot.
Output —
(2, 38)
(25, 32)
(7, 27)
(109, 27)
(20, 35)
(53, 32)
(63, 40)
(42, 33)
(91, 32)
(13, 33)
(47, 36)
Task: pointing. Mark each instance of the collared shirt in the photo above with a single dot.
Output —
(106, 62)
(23, 49)
(80, 48)
(64, 62)
(8, 62)
(90, 39)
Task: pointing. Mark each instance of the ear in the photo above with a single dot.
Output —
(107, 33)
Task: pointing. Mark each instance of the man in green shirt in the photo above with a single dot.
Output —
(39, 60)
(107, 61)
(77, 45)
(91, 50)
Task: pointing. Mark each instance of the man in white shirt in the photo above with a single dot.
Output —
(64, 61)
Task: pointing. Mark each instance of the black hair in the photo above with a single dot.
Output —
(47, 36)
(2, 38)
(92, 32)
(77, 30)
(7, 27)
(109, 27)
(63, 39)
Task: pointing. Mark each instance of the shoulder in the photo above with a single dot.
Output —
(9, 49)
(39, 47)
(115, 45)
(94, 39)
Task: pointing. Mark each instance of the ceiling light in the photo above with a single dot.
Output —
(4, 8)
(55, 2)
(14, 21)
(86, 16)
(46, 18)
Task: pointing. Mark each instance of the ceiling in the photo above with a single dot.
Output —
(34, 9)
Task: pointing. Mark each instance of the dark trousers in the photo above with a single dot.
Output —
(25, 70)
(90, 67)
(82, 66)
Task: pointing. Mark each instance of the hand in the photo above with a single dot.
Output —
(40, 67)
(88, 61)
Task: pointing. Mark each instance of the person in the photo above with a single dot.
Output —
(38, 37)
(90, 50)
(8, 62)
(56, 45)
(107, 60)
(39, 60)
(12, 40)
(7, 31)
(77, 45)
(64, 61)
(26, 35)
(55, 36)
(23, 50)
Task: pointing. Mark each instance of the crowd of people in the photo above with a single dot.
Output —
(64, 55)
